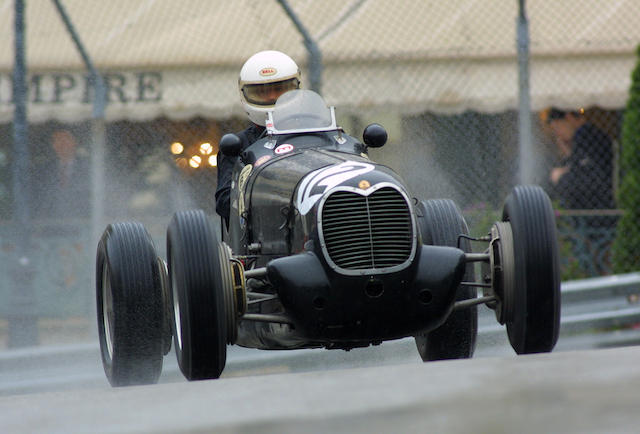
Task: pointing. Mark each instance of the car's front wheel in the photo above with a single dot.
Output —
(199, 326)
(533, 320)
(441, 224)
(130, 307)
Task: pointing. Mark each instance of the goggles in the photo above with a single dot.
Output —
(266, 94)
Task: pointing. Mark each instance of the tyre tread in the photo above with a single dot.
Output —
(192, 236)
(536, 323)
(129, 252)
(456, 338)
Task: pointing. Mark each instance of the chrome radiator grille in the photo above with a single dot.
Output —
(367, 232)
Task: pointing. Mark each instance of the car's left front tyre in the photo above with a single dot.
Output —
(130, 307)
(533, 322)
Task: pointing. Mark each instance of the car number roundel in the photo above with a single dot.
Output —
(317, 182)
(284, 148)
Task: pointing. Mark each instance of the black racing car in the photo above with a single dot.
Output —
(325, 248)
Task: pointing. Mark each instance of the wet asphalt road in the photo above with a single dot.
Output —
(592, 391)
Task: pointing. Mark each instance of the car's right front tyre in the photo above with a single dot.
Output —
(199, 326)
(441, 224)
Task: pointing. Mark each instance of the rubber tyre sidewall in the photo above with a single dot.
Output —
(193, 261)
(138, 310)
(535, 322)
(440, 225)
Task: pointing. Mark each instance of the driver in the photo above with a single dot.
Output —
(263, 78)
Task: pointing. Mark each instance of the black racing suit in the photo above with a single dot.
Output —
(225, 170)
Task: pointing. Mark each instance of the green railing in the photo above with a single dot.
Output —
(585, 238)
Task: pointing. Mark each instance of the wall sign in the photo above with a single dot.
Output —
(63, 87)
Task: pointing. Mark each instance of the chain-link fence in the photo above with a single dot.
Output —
(442, 77)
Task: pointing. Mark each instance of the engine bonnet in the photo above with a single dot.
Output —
(285, 193)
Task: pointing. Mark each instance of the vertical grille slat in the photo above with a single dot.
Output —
(367, 232)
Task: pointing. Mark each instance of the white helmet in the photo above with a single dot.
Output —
(263, 78)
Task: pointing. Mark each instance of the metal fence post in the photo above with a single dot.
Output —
(22, 317)
(98, 138)
(526, 162)
(315, 55)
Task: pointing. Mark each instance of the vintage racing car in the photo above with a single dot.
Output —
(325, 248)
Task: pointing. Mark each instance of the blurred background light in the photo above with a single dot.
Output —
(177, 148)
(182, 162)
(206, 148)
(195, 161)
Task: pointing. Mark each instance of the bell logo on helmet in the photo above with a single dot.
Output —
(267, 72)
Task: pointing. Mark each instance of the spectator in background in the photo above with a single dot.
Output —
(64, 145)
(67, 192)
(583, 177)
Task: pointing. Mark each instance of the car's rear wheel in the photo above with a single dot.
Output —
(533, 315)
(200, 329)
(130, 307)
(440, 225)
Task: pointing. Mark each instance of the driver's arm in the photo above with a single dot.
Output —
(223, 191)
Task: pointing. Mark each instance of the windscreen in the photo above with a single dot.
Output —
(301, 109)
